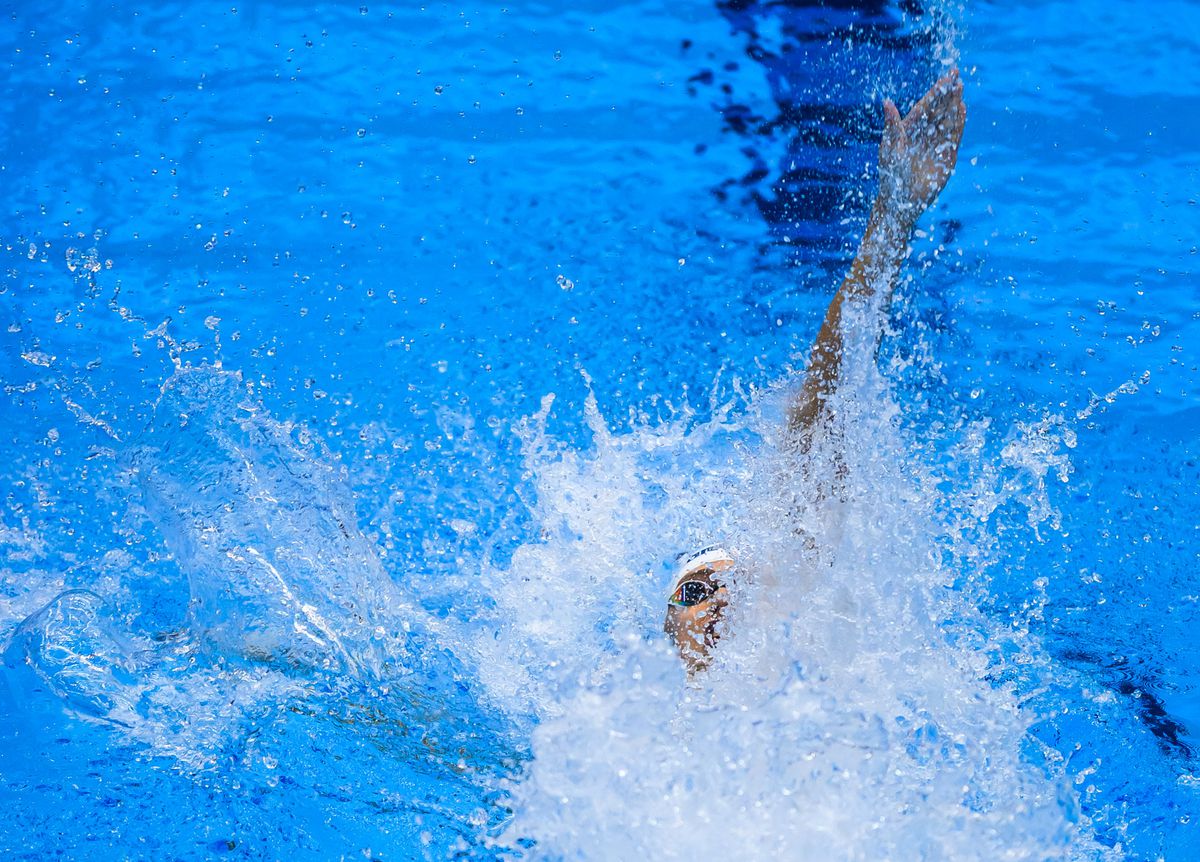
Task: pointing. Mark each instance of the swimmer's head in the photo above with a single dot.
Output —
(695, 602)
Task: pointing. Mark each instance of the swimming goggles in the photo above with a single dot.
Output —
(687, 590)
(691, 593)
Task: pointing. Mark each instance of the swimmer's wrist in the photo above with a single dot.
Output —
(891, 225)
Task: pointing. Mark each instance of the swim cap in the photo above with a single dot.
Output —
(690, 562)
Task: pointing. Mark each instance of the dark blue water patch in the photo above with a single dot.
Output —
(828, 66)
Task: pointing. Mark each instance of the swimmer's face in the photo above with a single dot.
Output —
(694, 611)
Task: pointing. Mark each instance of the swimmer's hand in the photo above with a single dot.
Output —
(918, 153)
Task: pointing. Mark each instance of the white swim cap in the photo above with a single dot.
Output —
(690, 562)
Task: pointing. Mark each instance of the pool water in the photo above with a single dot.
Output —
(365, 367)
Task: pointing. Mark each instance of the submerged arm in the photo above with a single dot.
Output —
(916, 157)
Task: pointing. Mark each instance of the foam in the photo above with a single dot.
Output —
(851, 710)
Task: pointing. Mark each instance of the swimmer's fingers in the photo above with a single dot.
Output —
(955, 122)
(946, 90)
(944, 125)
(940, 113)
(891, 115)
(893, 129)
(951, 111)
(893, 155)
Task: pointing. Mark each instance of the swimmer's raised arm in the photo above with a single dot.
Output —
(916, 157)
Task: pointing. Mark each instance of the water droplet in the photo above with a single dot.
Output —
(37, 357)
(520, 112)
(437, 91)
(471, 159)
(362, 133)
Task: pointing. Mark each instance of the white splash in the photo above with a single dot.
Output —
(849, 712)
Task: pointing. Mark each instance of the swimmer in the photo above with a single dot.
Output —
(695, 602)
(916, 157)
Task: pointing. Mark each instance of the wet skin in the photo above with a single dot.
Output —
(694, 629)
(917, 155)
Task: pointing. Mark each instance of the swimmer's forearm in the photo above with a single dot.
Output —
(916, 156)
(880, 253)
(875, 267)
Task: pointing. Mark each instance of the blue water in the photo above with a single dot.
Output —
(301, 560)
